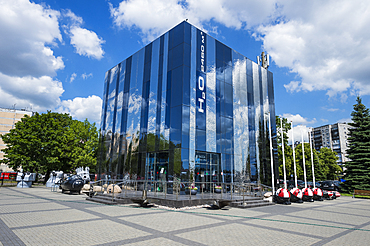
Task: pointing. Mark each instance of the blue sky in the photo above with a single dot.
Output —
(54, 54)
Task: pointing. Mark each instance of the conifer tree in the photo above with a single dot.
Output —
(357, 173)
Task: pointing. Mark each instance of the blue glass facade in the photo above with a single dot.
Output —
(191, 107)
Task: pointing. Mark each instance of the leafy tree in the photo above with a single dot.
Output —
(308, 164)
(329, 166)
(288, 151)
(325, 163)
(357, 173)
(52, 141)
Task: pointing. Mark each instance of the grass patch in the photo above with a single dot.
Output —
(346, 194)
(351, 195)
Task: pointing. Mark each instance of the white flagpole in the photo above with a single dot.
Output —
(271, 157)
(295, 168)
(304, 162)
(282, 148)
(313, 169)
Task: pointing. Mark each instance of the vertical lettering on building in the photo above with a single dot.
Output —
(201, 82)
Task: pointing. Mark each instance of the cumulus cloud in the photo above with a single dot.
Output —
(26, 30)
(86, 43)
(298, 132)
(323, 42)
(161, 15)
(39, 93)
(300, 127)
(28, 34)
(298, 119)
(82, 108)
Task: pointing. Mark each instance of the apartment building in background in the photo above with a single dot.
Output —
(8, 119)
(334, 137)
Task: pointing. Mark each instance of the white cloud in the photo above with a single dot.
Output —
(28, 34)
(86, 76)
(326, 43)
(345, 120)
(82, 108)
(298, 119)
(86, 43)
(25, 30)
(73, 77)
(299, 127)
(39, 93)
(76, 20)
(330, 109)
(298, 132)
(161, 15)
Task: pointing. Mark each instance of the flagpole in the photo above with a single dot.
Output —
(313, 169)
(282, 148)
(271, 157)
(295, 168)
(304, 162)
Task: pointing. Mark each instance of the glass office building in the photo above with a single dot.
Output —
(188, 106)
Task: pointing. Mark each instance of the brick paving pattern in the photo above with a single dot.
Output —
(38, 216)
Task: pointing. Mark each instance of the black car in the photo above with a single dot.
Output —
(310, 184)
(73, 183)
(330, 185)
(300, 184)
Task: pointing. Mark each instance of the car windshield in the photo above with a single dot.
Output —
(74, 177)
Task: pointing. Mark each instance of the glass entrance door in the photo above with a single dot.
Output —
(207, 170)
(157, 166)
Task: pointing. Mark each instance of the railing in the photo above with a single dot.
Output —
(177, 190)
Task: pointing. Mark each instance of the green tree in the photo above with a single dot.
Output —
(325, 163)
(51, 141)
(357, 173)
(329, 165)
(288, 152)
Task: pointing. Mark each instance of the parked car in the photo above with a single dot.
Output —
(310, 184)
(300, 184)
(330, 185)
(337, 183)
(73, 183)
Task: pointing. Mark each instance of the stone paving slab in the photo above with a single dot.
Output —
(29, 207)
(305, 227)
(171, 221)
(332, 216)
(37, 216)
(102, 231)
(120, 210)
(236, 234)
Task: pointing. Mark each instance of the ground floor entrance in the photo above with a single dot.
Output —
(207, 170)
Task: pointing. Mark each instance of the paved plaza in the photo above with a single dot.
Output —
(38, 216)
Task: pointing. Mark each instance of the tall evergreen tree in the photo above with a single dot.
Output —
(357, 173)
